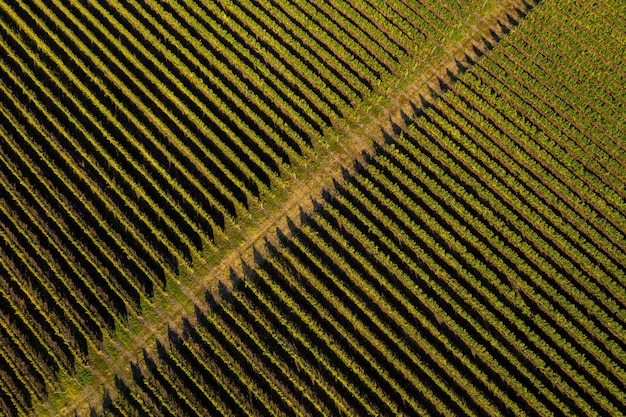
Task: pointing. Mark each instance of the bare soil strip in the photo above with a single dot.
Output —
(356, 139)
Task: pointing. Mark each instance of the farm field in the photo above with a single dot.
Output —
(471, 261)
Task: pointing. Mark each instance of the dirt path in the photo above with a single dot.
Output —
(357, 139)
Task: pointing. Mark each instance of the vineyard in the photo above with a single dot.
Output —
(473, 263)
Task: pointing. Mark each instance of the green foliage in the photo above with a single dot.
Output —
(475, 266)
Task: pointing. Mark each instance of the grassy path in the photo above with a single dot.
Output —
(352, 139)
